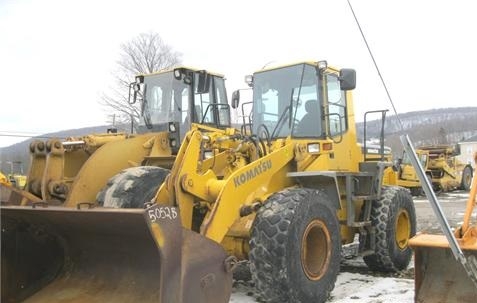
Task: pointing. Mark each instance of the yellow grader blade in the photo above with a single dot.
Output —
(58, 254)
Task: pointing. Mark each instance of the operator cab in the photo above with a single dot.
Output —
(173, 99)
(306, 100)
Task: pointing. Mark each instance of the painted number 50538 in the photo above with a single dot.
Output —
(162, 212)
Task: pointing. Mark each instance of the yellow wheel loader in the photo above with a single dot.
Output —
(47, 256)
(285, 193)
(64, 173)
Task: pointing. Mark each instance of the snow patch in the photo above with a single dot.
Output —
(349, 287)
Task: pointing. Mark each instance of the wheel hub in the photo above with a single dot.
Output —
(315, 250)
(403, 229)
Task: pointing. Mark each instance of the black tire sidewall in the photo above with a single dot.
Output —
(275, 255)
(400, 257)
(304, 214)
(388, 256)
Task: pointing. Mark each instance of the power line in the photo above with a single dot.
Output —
(20, 132)
(376, 66)
(27, 136)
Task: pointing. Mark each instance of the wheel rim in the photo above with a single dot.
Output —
(403, 229)
(315, 250)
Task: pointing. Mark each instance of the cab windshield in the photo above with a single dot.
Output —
(287, 101)
(167, 99)
(164, 99)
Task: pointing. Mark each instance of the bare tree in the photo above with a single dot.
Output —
(146, 53)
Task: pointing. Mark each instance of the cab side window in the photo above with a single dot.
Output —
(338, 123)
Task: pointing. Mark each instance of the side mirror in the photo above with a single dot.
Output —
(235, 99)
(135, 89)
(347, 79)
(203, 82)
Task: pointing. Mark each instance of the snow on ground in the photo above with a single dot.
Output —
(355, 283)
(350, 287)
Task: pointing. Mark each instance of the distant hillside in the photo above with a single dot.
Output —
(445, 125)
(436, 126)
(19, 152)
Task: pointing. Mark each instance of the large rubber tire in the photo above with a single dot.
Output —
(394, 220)
(132, 187)
(466, 178)
(295, 247)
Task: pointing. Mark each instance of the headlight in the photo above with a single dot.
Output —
(208, 154)
(172, 127)
(177, 74)
(322, 65)
(139, 79)
(313, 148)
(249, 80)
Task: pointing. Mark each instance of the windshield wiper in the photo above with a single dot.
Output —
(281, 122)
(283, 117)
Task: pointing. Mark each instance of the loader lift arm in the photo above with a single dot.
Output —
(221, 185)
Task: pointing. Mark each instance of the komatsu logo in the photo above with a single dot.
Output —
(262, 167)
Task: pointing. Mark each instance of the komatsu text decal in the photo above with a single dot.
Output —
(262, 167)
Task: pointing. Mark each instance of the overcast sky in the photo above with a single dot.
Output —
(57, 56)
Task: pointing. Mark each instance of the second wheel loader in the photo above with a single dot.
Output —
(79, 169)
(285, 192)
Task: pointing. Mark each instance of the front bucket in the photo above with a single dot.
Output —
(59, 254)
(439, 277)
